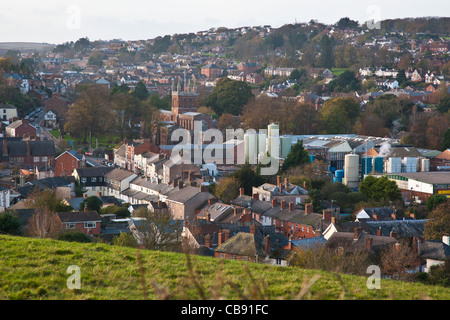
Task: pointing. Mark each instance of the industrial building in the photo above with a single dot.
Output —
(419, 186)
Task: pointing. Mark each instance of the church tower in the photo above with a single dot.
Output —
(184, 100)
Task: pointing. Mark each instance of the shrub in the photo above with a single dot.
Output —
(74, 236)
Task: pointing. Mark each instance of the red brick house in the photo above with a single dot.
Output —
(68, 161)
(29, 153)
(59, 106)
(21, 128)
(88, 222)
(211, 71)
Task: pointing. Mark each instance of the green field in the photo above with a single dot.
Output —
(338, 71)
(108, 141)
(37, 269)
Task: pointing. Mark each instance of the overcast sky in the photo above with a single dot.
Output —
(55, 22)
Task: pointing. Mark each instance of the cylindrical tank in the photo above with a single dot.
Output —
(366, 166)
(336, 179)
(425, 165)
(351, 168)
(286, 145)
(251, 148)
(339, 173)
(273, 140)
(394, 165)
(377, 164)
(262, 141)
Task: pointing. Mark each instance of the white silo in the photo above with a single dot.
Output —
(425, 165)
(394, 165)
(273, 140)
(351, 170)
(251, 148)
(262, 143)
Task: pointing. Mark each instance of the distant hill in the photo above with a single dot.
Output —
(37, 269)
(25, 46)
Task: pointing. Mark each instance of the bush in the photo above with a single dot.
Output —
(74, 236)
(9, 223)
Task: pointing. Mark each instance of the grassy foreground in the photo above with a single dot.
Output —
(37, 269)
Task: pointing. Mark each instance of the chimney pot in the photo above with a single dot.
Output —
(274, 202)
(241, 191)
(356, 233)
(220, 238)
(291, 206)
(379, 232)
(308, 208)
(283, 204)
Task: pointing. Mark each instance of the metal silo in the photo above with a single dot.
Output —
(378, 164)
(262, 141)
(286, 145)
(366, 166)
(425, 165)
(251, 148)
(273, 140)
(351, 169)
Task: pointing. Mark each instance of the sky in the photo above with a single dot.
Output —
(55, 22)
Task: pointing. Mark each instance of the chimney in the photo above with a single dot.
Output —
(290, 243)
(394, 234)
(235, 211)
(379, 232)
(99, 194)
(220, 238)
(356, 233)
(368, 243)
(204, 188)
(255, 196)
(333, 220)
(190, 176)
(208, 241)
(211, 201)
(304, 185)
(279, 182)
(286, 183)
(84, 195)
(5, 148)
(291, 206)
(412, 215)
(226, 235)
(241, 191)
(180, 184)
(274, 202)
(394, 216)
(267, 244)
(253, 229)
(283, 204)
(374, 216)
(308, 208)
(208, 216)
(326, 215)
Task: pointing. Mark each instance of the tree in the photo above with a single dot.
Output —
(248, 178)
(339, 115)
(397, 260)
(227, 189)
(92, 203)
(446, 140)
(90, 114)
(9, 223)
(435, 200)
(326, 58)
(296, 157)
(140, 91)
(46, 204)
(157, 231)
(228, 96)
(438, 223)
(380, 189)
(228, 121)
(347, 23)
(344, 83)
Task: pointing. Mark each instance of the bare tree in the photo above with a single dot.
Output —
(157, 230)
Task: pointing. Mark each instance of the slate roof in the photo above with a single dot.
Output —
(404, 228)
(345, 240)
(37, 148)
(118, 174)
(93, 171)
(184, 194)
(435, 249)
(79, 216)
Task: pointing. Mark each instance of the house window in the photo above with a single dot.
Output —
(83, 180)
(100, 179)
(44, 159)
(36, 159)
(70, 225)
(88, 225)
(278, 262)
(93, 179)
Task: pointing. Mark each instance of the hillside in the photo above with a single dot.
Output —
(36, 269)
